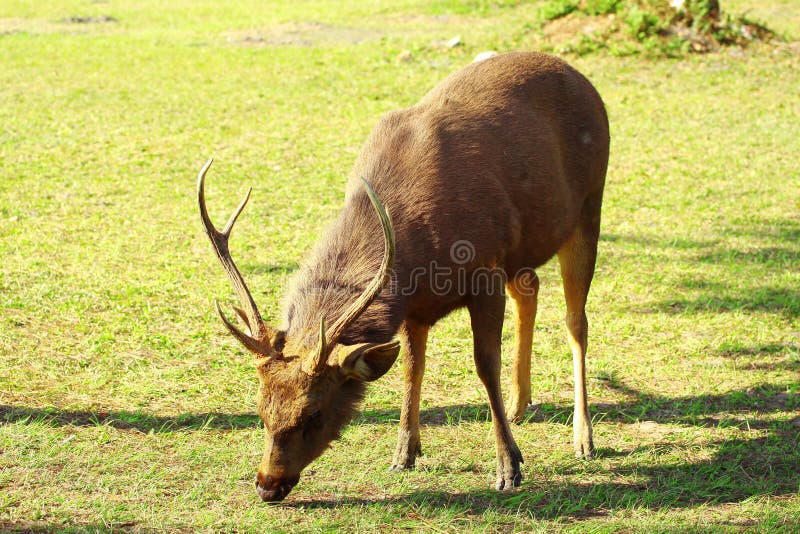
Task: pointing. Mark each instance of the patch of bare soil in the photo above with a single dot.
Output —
(303, 34)
(89, 20)
(565, 29)
(654, 431)
(11, 25)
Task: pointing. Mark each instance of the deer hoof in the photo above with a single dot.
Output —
(509, 474)
(402, 467)
(516, 413)
(507, 482)
(584, 449)
(405, 456)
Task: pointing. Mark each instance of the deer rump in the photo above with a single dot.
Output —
(496, 170)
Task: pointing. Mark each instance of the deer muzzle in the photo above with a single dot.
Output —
(272, 489)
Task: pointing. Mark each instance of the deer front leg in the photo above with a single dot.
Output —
(414, 337)
(486, 315)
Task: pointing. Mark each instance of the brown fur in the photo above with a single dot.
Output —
(474, 161)
(508, 154)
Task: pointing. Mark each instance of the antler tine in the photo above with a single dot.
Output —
(258, 342)
(253, 345)
(377, 283)
(235, 215)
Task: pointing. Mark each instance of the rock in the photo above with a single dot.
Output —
(484, 55)
(405, 57)
(454, 42)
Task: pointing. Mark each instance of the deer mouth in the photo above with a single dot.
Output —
(274, 489)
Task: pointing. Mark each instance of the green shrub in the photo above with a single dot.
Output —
(558, 8)
(652, 27)
(601, 7)
(641, 23)
(703, 13)
(460, 7)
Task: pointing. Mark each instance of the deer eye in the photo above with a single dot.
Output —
(312, 423)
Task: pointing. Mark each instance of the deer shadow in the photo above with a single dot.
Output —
(696, 410)
(773, 249)
(721, 300)
(781, 356)
(128, 420)
(740, 469)
(42, 527)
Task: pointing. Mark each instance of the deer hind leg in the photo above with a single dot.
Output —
(577, 259)
(414, 337)
(524, 290)
(486, 315)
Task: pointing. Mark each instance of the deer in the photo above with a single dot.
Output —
(508, 156)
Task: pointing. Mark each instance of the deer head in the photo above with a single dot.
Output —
(309, 385)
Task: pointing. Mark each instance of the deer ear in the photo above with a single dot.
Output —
(366, 361)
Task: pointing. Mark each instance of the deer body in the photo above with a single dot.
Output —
(496, 170)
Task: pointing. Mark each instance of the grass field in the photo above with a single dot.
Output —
(124, 404)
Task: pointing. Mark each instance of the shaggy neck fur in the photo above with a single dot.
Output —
(342, 264)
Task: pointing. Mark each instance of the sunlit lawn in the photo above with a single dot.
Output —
(124, 405)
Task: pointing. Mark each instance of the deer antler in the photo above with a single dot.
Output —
(257, 339)
(374, 287)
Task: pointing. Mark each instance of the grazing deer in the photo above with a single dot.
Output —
(506, 157)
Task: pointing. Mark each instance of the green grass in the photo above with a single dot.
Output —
(124, 405)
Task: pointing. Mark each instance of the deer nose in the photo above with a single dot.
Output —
(272, 489)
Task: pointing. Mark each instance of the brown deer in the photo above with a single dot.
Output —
(507, 159)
